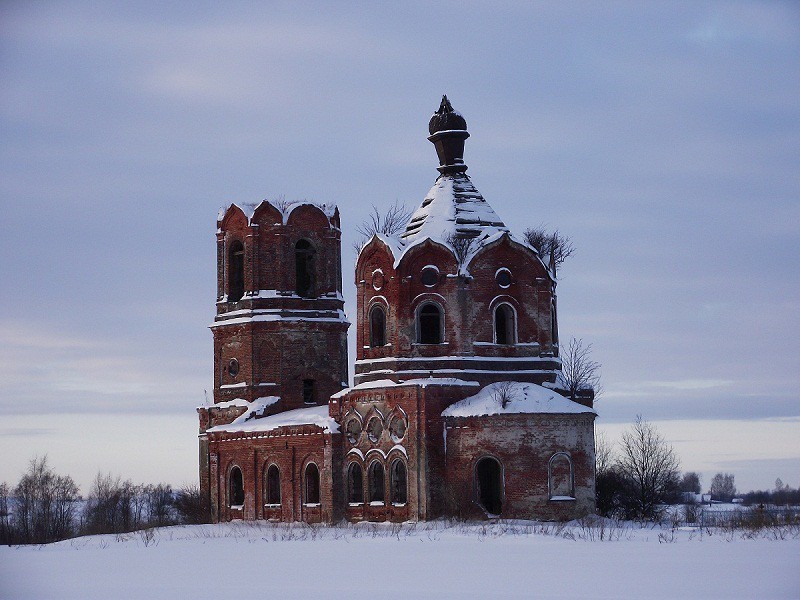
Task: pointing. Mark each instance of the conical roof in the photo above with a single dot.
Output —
(453, 207)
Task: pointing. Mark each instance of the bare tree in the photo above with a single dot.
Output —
(191, 506)
(651, 466)
(578, 370)
(603, 459)
(690, 482)
(44, 504)
(392, 223)
(723, 487)
(551, 245)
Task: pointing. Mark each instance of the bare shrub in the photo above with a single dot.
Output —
(390, 223)
(578, 370)
(462, 246)
(504, 393)
(552, 246)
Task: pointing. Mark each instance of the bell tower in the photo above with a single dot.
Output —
(280, 333)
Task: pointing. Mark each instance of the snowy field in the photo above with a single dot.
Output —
(426, 560)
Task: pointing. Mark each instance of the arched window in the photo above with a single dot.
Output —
(376, 483)
(505, 326)
(312, 484)
(398, 484)
(429, 325)
(236, 272)
(489, 480)
(235, 488)
(355, 484)
(560, 477)
(377, 327)
(304, 268)
(272, 494)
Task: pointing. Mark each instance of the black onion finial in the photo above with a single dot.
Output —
(446, 119)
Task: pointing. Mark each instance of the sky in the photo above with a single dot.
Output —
(662, 138)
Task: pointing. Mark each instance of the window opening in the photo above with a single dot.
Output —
(312, 484)
(353, 430)
(377, 327)
(503, 278)
(374, 429)
(308, 391)
(504, 326)
(430, 324)
(304, 268)
(233, 367)
(355, 484)
(273, 492)
(376, 483)
(236, 272)
(430, 276)
(397, 428)
(399, 485)
(236, 487)
(490, 485)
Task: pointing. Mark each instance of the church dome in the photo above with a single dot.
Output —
(446, 119)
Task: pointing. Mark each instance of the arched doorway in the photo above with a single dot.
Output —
(489, 480)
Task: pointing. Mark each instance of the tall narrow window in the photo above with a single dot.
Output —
(429, 326)
(304, 268)
(377, 327)
(505, 330)
(398, 482)
(355, 484)
(273, 491)
(312, 484)
(309, 395)
(489, 476)
(376, 484)
(236, 488)
(236, 272)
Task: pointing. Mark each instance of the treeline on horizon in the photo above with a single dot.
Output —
(47, 507)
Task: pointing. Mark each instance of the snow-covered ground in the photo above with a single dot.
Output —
(425, 560)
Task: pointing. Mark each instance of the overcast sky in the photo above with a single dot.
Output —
(663, 138)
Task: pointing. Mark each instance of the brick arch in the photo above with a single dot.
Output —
(489, 485)
(307, 216)
(267, 215)
(561, 476)
(234, 218)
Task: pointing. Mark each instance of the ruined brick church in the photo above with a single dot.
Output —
(458, 406)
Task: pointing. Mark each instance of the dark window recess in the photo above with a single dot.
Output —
(504, 328)
(430, 276)
(490, 485)
(233, 367)
(304, 269)
(312, 484)
(399, 486)
(503, 278)
(236, 491)
(376, 483)
(377, 327)
(273, 485)
(355, 484)
(430, 324)
(308, 391)
(236, 272)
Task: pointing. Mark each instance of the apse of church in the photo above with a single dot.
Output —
(456, 407)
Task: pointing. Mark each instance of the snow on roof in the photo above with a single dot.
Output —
(452, 206)
(422, 382)
(285, 208)
(315, 415)
(521, 398)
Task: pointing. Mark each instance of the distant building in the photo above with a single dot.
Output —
(456, 407)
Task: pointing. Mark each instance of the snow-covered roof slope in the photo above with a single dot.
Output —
(386, 383)
(520, 398)
(452, 206)
(315, 415)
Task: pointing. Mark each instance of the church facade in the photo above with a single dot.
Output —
(457, 407)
